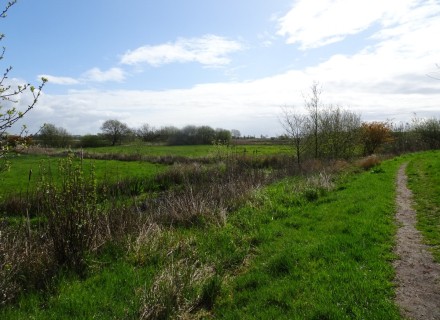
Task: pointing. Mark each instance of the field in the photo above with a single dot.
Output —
(195, 151)
(313, 246)
(17, 179)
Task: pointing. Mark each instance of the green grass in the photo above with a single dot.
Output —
(111, 292)
(283, 255)
(325, 259)
(16, 179)
(192, 151)
(424, 180)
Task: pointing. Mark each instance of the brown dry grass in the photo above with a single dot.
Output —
(369, 162)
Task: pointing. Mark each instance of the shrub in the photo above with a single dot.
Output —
(368, 162)
(71, 212)
(92, 141)
(374, 135)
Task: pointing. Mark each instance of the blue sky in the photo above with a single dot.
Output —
(228, 64)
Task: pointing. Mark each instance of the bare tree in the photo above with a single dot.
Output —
(313, 106)
(297, 127)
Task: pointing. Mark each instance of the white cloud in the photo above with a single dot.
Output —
(208, 50)
(387, 79)
(92, 75)
(58, 80)
(96, 75)
(252, 107)
(317, 23)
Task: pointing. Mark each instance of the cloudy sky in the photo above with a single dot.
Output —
(231, 63)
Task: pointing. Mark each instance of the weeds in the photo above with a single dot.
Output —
(183, 285)
(150, 246)
(206, 196)
(178, 291)
(25, 263)
(321, 181)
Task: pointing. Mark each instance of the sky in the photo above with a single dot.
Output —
(231, 64)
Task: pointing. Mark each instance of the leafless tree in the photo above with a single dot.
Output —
(313, 106)
(297, 127)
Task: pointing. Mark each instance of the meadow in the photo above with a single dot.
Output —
(195, 150)
(18, 179)
(231, 239)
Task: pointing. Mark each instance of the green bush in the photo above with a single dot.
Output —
(92, 141)
(71, 212)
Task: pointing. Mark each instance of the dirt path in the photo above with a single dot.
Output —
(417, 275)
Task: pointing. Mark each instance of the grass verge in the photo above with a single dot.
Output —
(424, 180)
(328, 258)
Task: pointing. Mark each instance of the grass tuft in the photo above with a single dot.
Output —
(176, 291)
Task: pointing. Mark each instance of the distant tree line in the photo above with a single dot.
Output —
(188, 135)
(323, 132)
(326, 132)
(115, 132)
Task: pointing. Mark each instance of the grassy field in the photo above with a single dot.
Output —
(16, 180)
(192, 151)
(424, 180)
(303, 248)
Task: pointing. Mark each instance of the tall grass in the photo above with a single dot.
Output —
(26, 263)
